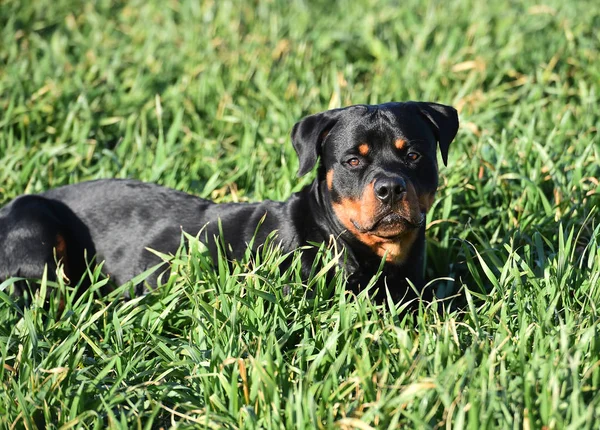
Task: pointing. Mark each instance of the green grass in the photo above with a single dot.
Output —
(201, 96)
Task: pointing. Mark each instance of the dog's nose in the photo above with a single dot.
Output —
(389, 189)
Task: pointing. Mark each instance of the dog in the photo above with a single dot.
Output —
(376, 180)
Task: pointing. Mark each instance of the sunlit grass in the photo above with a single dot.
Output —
(201, 96)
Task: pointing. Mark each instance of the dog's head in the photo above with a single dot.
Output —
(379, 166)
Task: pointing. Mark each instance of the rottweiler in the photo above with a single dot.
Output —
(376, 180)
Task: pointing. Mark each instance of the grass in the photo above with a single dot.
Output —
(201, 96)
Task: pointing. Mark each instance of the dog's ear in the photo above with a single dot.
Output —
(444, 124)
(308, 135)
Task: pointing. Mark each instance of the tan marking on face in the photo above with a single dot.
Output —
(400, 143)
(411, 205)
(363, 149)
(365, 210)
(426, 201)
(329, 179)
(61, 255)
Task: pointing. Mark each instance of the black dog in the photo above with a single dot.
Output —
(376, 180)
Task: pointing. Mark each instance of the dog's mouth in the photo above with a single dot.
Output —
(390, 225)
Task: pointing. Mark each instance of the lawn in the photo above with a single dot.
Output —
(201, 96)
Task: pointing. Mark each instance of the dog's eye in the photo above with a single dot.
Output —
(413, 156)
(353, 162)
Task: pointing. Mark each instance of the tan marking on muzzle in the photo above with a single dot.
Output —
(411, 204)
(426, 201)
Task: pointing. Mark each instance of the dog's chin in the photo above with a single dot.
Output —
(392, 226)
(392, 232)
